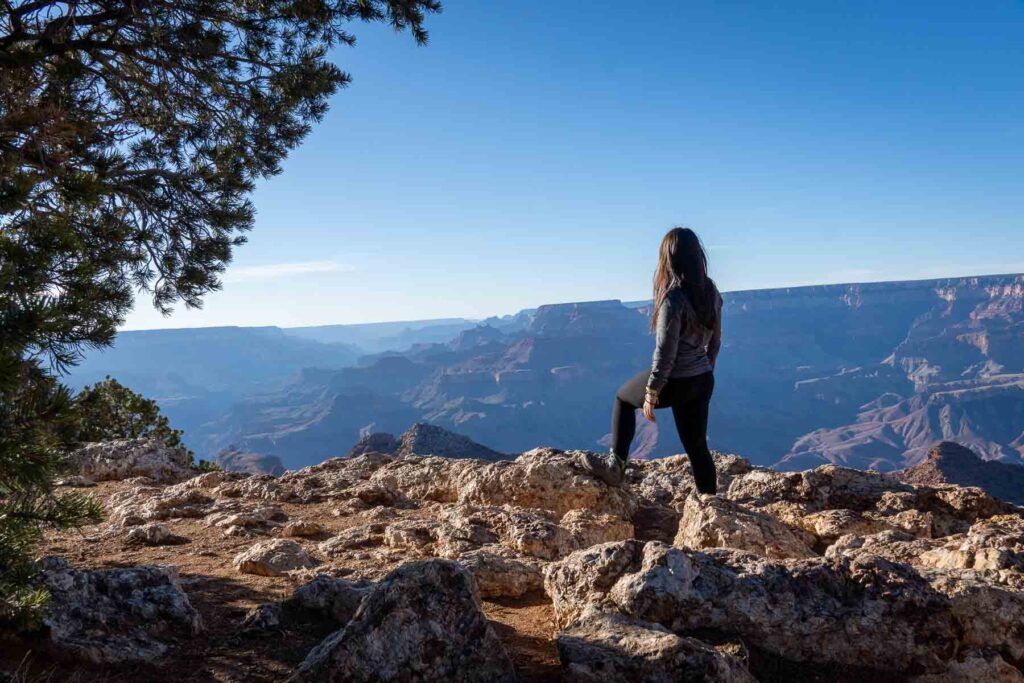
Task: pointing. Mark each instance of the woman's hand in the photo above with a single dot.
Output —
(649, 404)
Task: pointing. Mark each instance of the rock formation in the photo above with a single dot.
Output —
(950, 463)
(424, 439)
(142, 457)
(824, 574)
(374, 442)
(237, 460)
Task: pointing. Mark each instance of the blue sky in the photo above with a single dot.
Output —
(536, 152)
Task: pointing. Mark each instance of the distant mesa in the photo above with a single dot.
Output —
(585, 318)
(237, 460)
(948, 462)
(425, 439)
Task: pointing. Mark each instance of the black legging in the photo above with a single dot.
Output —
(689, 398)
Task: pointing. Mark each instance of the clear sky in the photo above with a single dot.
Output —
(536, 151)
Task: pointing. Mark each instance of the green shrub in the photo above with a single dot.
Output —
(109, 410)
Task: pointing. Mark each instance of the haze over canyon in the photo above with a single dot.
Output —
(863, 375)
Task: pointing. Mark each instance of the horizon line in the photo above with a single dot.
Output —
(562, 303)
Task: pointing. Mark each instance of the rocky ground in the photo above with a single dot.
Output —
(383, 567)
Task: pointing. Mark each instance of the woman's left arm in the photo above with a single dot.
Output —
(666, 344)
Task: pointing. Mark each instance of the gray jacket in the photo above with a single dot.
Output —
(684, 347)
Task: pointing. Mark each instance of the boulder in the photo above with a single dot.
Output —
(465, 528)
(325, 599)
(499, 573)
(262, 487)
(990, 615)
(273, 558)
(844, 487)
(713, 522)
(588, 527)
(533, 534)
(585, 577)
(612, 648)
(371, 494)
(115, 616)
(893, 545)
(761, 485)
(422, 622)
(124, 458)
(996, 543)
(429, 479)
(824, 488)
(547, 479)
(846, 612)
(147, 504)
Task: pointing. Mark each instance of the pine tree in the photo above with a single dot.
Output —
(131, 137)
(33, 406)
(109, 410)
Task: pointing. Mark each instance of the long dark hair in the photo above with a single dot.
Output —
(682, 262)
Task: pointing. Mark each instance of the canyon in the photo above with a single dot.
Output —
(863, 375)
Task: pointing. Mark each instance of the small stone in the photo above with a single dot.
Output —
(301, 528)
(356, 537)
(410, 534)
(76, 481)
(151, 534)
(273, 558)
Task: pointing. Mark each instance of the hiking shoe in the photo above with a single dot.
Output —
(607, 467)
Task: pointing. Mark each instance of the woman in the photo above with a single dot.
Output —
(687, 321)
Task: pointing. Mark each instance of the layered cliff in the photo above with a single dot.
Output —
(864, 375)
